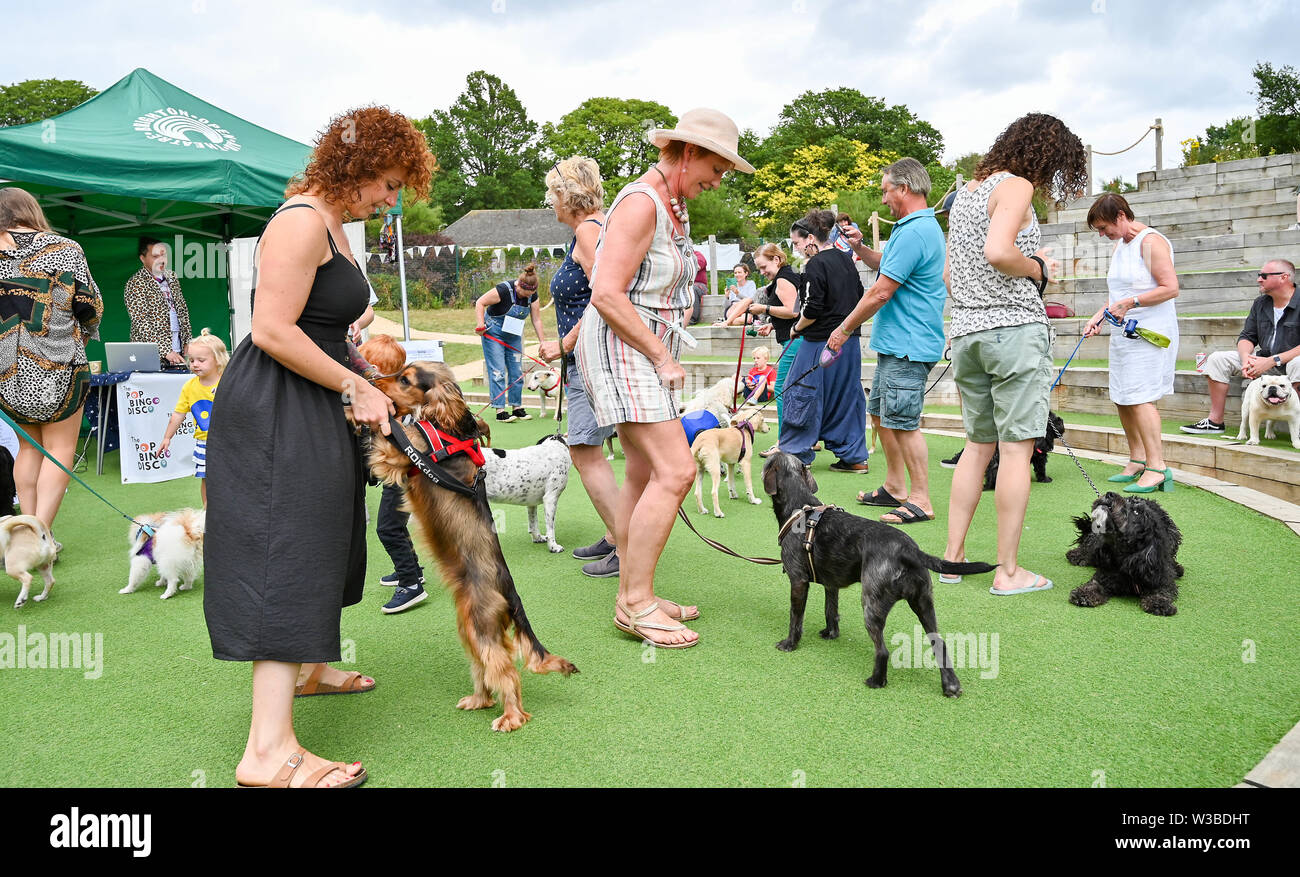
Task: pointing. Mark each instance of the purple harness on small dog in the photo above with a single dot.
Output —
(146, 549)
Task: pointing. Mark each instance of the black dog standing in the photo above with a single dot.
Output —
(828, 545)
(1042, 447)
(1132, 544)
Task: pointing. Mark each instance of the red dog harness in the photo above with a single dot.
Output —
(442, 445)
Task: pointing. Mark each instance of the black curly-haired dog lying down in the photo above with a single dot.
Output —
(1042, 447)
(1132, 543)
(846, 549)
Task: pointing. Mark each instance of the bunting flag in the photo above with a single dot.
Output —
(370, 256)
(422, 250)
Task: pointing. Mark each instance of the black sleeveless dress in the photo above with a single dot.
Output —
(285, 548)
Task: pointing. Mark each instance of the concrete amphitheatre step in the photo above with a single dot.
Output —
(1196, 335)
(1273, 471)
(1085, 390)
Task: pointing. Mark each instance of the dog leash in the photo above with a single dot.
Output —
(1060, 434)
(767, 561)
(22, 433)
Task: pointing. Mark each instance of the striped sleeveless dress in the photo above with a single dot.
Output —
(621, 382)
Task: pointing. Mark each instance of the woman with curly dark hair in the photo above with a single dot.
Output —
(286, 545)
(1001, 340)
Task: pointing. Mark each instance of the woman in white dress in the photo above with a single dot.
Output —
(1143, 287)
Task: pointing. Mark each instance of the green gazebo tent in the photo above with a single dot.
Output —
(146, 158)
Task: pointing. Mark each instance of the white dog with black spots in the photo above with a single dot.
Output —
(530, 477)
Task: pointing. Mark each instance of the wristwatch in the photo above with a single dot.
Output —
(1278, 360)
(1136, 302)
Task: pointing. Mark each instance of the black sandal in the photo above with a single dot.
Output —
(908, 513)
(880, 497)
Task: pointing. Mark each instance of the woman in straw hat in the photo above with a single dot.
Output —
(627, 352)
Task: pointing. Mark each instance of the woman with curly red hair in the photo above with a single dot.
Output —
(285, 546)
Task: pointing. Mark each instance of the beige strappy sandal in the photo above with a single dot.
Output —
(636, 622)
(295, 761)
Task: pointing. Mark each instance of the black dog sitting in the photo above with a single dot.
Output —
(1042, 447)
(848, 549)
(1132, 543)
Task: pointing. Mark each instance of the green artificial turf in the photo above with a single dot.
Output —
(1080, 697)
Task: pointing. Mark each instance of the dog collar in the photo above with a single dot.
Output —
(745, 427)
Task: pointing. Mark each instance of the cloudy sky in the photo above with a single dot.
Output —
(1107, 67)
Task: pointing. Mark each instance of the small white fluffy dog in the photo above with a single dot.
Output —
(176, 549)
(27, 545)
(732, 446)
(530, 477)
(1269, 398)
(544, 381)
(716, 399)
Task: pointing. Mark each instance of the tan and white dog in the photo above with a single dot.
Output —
(1269, 398)
(176, 549)
(27, 545)
(544, 381)
(732, 445)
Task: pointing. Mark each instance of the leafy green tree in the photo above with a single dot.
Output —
(1235, 139)
(35, 99)
(815, 118)
(611, 131)
(1119, 186)
(1278, 95)
(720, 212)
(811, 177)
(966, 165)
(487, 148)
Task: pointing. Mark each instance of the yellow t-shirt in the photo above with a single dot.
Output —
(196, 400)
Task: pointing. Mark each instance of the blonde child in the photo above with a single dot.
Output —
(207, 357)
(761, 373)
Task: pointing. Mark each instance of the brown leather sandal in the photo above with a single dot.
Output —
(313, 687)
(295, 761)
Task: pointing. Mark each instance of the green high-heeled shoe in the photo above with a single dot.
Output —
(1127, 479)
(1167, 485)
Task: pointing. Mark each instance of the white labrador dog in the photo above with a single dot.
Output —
(1269, 398)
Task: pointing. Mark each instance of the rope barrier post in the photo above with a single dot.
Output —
(1088, 149)
(1160, 144)
(875, 230)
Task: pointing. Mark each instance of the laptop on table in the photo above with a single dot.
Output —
(131, 356)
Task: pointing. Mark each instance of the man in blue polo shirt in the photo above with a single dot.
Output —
(907, 335)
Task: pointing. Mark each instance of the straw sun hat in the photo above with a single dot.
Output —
(708, 128)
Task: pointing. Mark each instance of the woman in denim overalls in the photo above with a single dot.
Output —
(501, 312)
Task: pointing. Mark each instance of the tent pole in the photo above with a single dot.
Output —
(401, 276)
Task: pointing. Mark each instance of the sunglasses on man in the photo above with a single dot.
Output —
(1264, 275)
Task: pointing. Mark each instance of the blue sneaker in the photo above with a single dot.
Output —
(390, 581)
(405, 598)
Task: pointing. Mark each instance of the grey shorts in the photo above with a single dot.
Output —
(1004, 376)
(898, 392)
(583, 429)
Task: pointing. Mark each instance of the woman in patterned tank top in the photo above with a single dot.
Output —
(627, 346)
(1001, 341)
